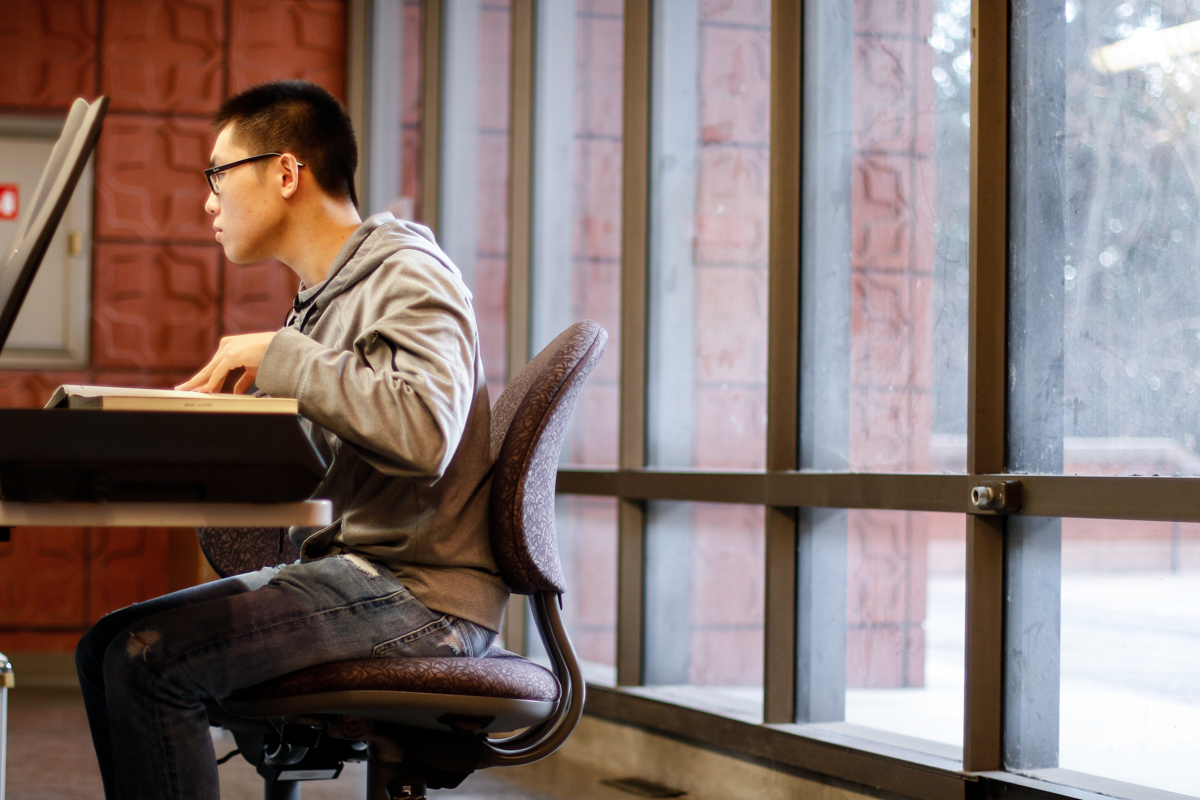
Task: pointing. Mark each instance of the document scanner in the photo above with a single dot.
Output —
(131, 456)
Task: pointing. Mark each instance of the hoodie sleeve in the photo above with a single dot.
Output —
(402, 392)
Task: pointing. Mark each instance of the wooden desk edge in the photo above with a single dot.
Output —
(309, 513)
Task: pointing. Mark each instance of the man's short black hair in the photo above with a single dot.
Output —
(300, 118)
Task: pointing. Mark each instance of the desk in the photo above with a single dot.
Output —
(310, 513)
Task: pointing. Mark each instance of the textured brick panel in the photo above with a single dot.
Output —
(597, 214)
(612, 8)
(893, 17)
(881, 430)
(41, 579)
(489, 300)
(492, 199)
(272, 39)
(599, 76)
(593, 432)
(155, 307)
(726, 657)
(494, 66)
(590, 550)
(731, 210)
(885, 658)
(884, 108)
(164, 55)
(33, 389)
(257, 296)
(49, 51)
(887, 566)
(881, 321)
(150, 179)
(597, 295)
(127, 565)
(731, 427)
(742, 12)
(411, 97)
(143, 380)
(410, 166)
(890, 430)
(922, 319)
(727, 560)
(926, 100)
(731, 324)
(735, 84)
(881, 222)
(39, 641)
(924, 217)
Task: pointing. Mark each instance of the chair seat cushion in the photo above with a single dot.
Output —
(500, 674)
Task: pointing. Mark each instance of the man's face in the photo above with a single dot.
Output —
(245, 214)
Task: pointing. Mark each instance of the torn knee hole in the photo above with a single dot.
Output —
(140, 643)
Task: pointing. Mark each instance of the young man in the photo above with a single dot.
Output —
(382, 353)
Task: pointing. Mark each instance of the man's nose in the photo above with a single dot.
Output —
(211, 205)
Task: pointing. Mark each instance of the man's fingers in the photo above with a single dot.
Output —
(243, 383)
(200, 377)
(217, 378)
(234, 352)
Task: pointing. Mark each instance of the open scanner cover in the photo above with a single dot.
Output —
(131, 456)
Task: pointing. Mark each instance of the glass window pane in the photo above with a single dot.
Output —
(1105, 648)
(474, 200)
(704, 605)
(577, 202)
(411, 109)
(577, 162)
(903, 631)
(587, 538)
(884, 315)
(708, 240)
(1104, 249)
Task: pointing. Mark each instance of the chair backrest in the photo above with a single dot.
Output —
(529, 422)
(234, 551)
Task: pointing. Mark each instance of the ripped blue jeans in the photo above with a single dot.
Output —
(146, 670)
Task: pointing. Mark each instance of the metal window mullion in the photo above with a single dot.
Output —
(430, 160)
(783, 360)
(520, 183)
(986, 433)
(635, 229)
(520, 232)
(360, 47)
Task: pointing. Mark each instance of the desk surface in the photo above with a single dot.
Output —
(311, 513)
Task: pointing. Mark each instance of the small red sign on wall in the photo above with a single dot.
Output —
(10, 200)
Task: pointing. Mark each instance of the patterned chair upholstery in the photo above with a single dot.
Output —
(426, 721)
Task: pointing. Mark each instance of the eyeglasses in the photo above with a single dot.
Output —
(213, 174)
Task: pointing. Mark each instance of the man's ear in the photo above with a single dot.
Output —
(290, 178)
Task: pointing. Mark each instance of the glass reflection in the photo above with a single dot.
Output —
(1109, 133)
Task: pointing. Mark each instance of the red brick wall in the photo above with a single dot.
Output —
(162, 293)
(891, 353)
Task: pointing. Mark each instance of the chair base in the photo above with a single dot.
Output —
(281, 790)
(385, 783)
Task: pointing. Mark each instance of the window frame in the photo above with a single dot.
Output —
(783, 490)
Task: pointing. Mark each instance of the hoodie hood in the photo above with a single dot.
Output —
(376, 239)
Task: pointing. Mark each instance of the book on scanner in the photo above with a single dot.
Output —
(115, 398)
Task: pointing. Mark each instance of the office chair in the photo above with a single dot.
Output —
(429, 722)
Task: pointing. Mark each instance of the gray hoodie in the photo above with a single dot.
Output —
(383, 357)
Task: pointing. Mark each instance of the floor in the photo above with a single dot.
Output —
(50, 758)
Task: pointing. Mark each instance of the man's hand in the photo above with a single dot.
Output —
(235, 352)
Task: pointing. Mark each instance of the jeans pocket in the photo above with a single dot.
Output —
(444, 636)
(437, 638)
